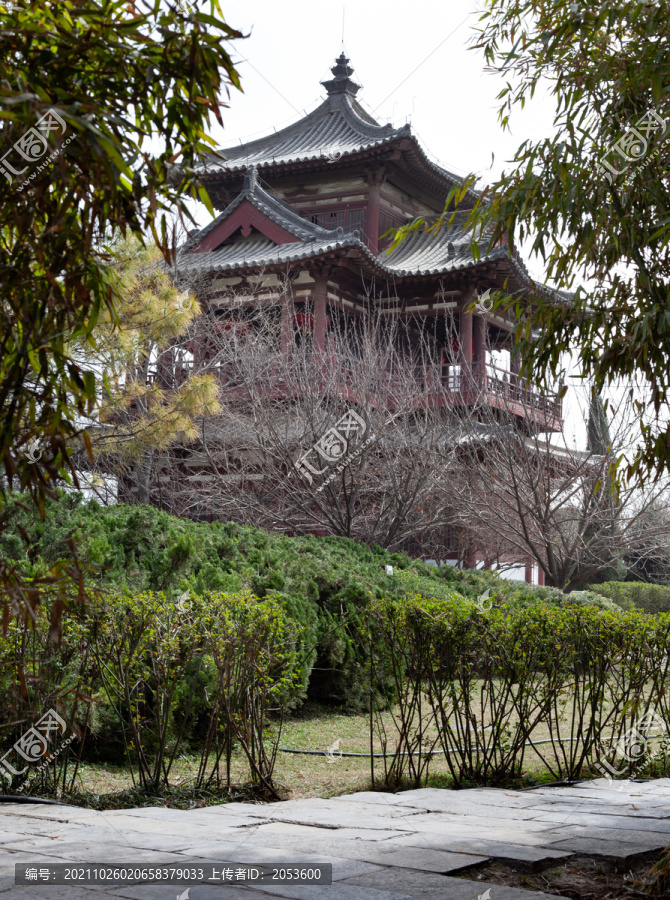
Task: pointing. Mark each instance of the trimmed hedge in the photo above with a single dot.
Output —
(216, 672)
(652, 598)
(140, 671)
(475, 685)
(324, 583)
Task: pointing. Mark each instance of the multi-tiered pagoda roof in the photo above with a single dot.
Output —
(312, 206)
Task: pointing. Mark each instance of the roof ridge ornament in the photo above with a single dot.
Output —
(250, 179)
(342, 83)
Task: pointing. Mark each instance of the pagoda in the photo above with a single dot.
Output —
(317, 199)
(313, 206)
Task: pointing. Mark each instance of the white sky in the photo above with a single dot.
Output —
(449, 99)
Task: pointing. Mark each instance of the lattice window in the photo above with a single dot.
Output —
(357, 220)
(386, 222)
(330, 220)
(348, 219)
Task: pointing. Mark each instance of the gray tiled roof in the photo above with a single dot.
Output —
(334, 130)
(338, 128)
(276, 210)
(259, 251)
(446, 250)
(420, 254)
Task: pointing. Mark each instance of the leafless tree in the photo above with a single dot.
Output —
(526, 493)
(340, 439)
(374, 431)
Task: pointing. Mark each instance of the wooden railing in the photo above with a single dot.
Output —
(501, 383)
(469, 386)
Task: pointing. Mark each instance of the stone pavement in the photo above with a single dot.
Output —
(382, 846)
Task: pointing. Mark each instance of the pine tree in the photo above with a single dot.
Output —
(140, 413)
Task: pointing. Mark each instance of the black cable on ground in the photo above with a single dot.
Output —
(535, 787)
(19, 798)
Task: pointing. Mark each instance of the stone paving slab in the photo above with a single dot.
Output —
(308, 834)
(371, 851)
(386, 808)
(427, 860)
(383, 846)
(486, 796)
(222, 830)
(334, 819)
(630, 810)
(463, 807)
(391, 853)
(600, 820)
(530, 859)
(168, 843)
(653, 840)
(450, 821)
(653, 805)
(497, 831)
(607, 848)
(195, 818)
(418, 885)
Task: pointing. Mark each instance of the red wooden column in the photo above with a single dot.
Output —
(319, 303)
(479, 354)
(529, 572)
(375, 178)
(286, 326)
(465, 338)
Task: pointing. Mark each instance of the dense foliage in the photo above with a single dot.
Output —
(142, 678)
(99, 101)
(652, 598)
(325, 583)
(591, 198)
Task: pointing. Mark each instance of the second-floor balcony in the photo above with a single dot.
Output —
(430, 386)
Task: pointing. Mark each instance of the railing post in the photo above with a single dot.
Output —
(479, 350)
(515, 365)
(465, 338)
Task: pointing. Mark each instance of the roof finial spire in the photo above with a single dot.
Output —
(342, 82)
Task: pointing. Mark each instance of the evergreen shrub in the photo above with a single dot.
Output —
(652, 598)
